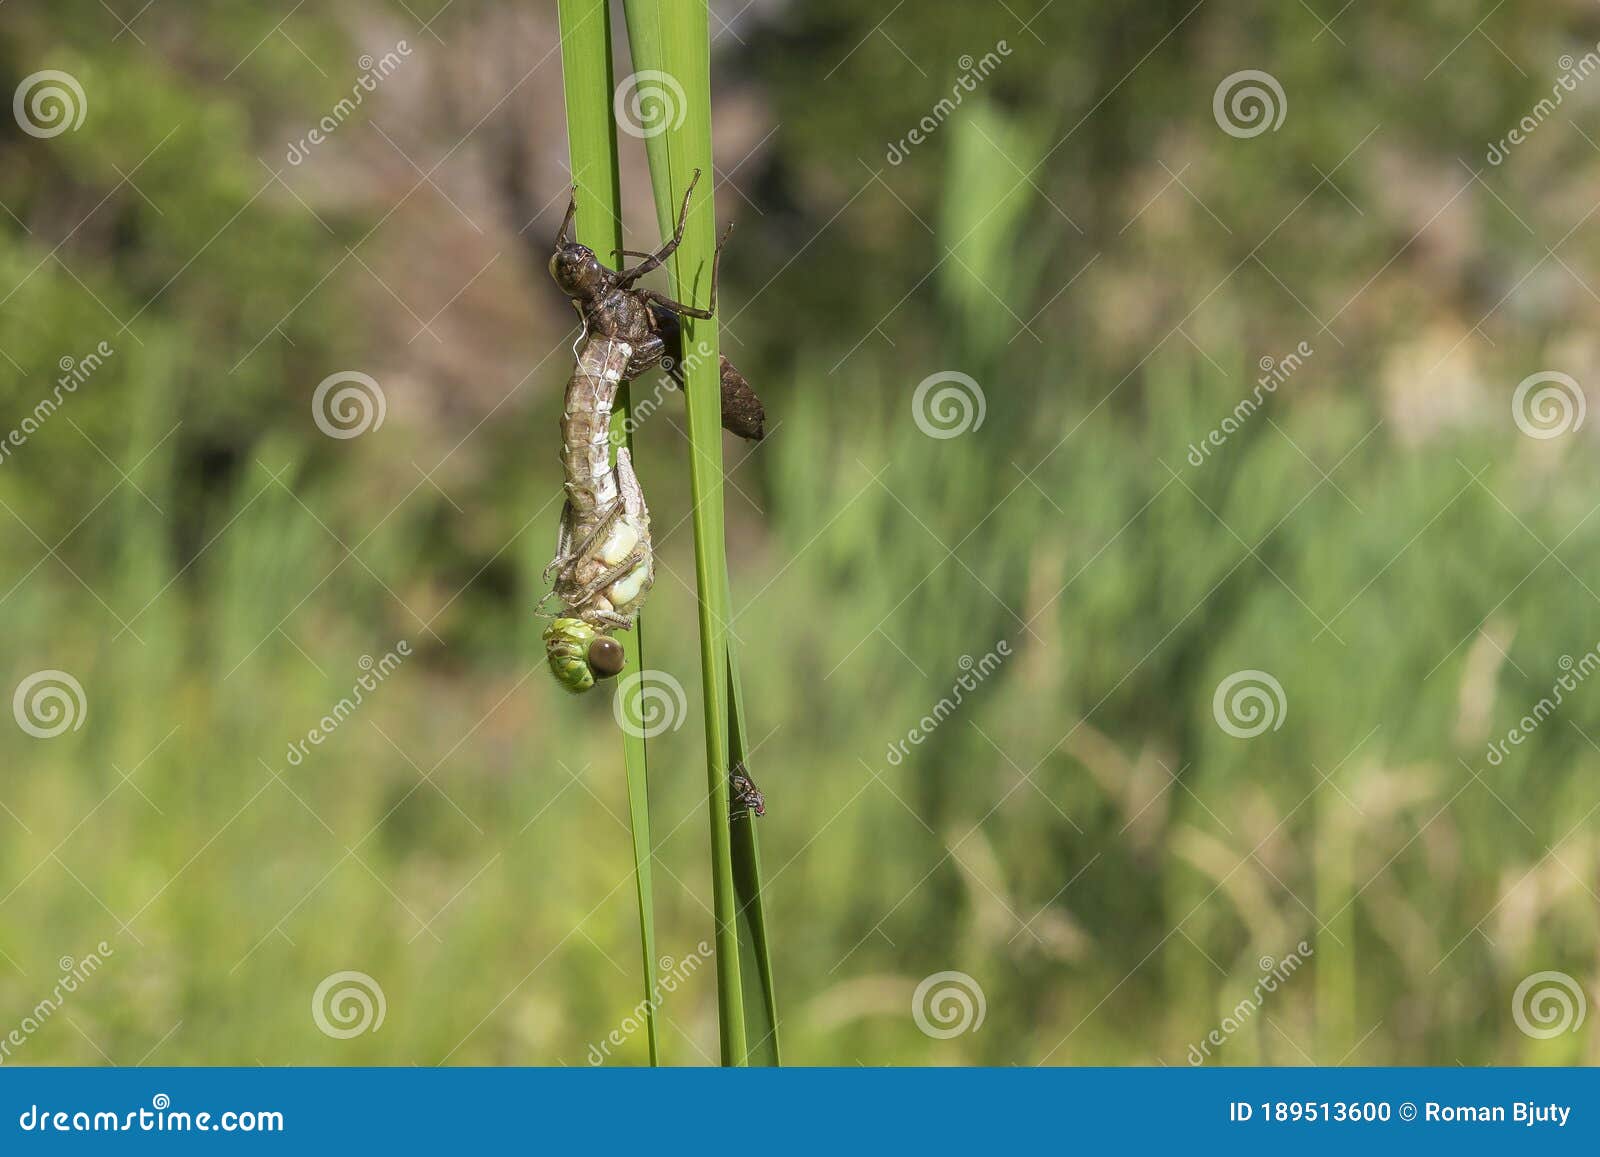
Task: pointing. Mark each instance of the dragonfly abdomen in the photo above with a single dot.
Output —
(605, 565)
(586, 424)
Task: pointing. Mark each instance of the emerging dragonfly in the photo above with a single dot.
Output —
(604, 565)
(649, 321)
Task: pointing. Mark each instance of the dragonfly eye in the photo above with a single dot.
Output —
(605, 657)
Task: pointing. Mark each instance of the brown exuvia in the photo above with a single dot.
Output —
(648, 321)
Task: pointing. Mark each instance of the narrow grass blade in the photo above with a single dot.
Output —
(588, 81)
(760, 996)
(671, 50)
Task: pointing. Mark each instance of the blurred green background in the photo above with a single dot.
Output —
(1084, 238)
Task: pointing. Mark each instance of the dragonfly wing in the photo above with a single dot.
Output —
(563, 540)
(564, 531)
(628, 484)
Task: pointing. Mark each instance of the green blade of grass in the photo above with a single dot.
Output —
(761, 1002)
(671, 50)
(588, 81)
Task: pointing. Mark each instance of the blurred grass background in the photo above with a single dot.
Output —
(1082, 239)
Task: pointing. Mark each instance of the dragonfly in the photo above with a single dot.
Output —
(608, 303)
(604, 564)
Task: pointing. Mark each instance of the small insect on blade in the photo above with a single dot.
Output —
(743, 794)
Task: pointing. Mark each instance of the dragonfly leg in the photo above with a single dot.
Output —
(666, 302)
(710, 311)
(612, 619)
(654, 261)
(569, 561)
(611, 575)
(566, 222)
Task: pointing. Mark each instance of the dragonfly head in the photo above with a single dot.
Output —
(577, 271)
(579, 656)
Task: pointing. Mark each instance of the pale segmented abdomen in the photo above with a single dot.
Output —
(606, 526)
(586, 426)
